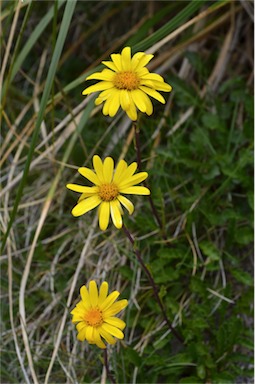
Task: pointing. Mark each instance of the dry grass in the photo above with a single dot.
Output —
(48, 254)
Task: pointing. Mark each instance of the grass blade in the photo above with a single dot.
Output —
(70, 6)
(29, 45)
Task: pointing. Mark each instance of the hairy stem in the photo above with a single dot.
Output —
(108, 373)
(137, 145)
(152, 282)
(139, 164)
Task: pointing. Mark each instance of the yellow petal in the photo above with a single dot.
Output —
(115, 214)
(109, 300)
(133, 180)
(104, 215)
(116, 308)
(121, 210)
(85, 296)
(130, 171)
(89, 174)
(110, 65)
(103, 292)
(81, 307)
(86, 205)
(98, 167)
(126, 203)
(82, 189)
(107, 336)
(93, 293)
(153, 93)
(135, 59)
(136, 191)
(81, 326)
(77, 318)
(137, 97)
(114, 104)
(149, 106)
(105, 94)
(153, 76)
(158, 85)
(132, 112)
(126, 58)
(85, 195)
(106, 107)
(106, 74)
(108, 166)
(98, 101)
(124, 99)
(143, 71)
(101, 86)
(147, 102)
(121, 167)
(113, 330)
(143, 61)
(82, 334)
(89, 334)
(148, 83)
(98, 340)
(116, 58)
(114, 321)
(161, 86)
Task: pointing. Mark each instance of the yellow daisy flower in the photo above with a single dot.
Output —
(94, 315)
(107, 190)
(127, 84)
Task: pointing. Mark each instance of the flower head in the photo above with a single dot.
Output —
(127, 83)
(108, 189)
(94, 315)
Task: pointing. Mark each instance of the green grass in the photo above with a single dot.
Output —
(198, 151)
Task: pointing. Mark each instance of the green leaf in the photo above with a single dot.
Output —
(242, 277)
(211, 121)
(244, 235)
(227, 336)
(201, 372)
(210, 250)
(250, 196)
(133, 357)
(126, 272)
(191, 380)
(223, 378)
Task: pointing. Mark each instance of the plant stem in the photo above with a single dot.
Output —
(139, 164)
(137, 145)
(152, 282)
(108, 373)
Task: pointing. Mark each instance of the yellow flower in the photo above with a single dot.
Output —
(127, 84)
(107, 190)
(95, 315)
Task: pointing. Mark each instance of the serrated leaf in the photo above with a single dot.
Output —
(133, 356)
(242, 277)
(244, 235)
(210, 250)
(191, 380)
(201, 372)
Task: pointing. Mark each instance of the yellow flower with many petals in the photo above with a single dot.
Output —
(94, 315)
(108, 189)
(127, 83)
